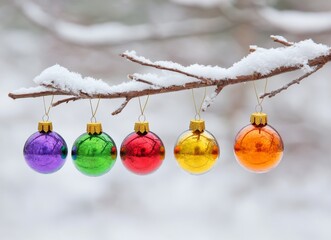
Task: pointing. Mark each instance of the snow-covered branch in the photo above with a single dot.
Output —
(269, 18)
(114, 33)
(297, 22)
(117, 33)
(204, 4)
(260, 63)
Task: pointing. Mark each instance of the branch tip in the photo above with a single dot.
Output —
(281, 40)
(123, 105)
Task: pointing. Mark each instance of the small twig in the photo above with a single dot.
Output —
(218, 89)
(281, 40)
(140, 80)
(135, 78)
(31, 95)
(38, 94)
(252, 48)
(208, 101)
(295, 81)
(65, 101)
(123, 105)
(154, 65)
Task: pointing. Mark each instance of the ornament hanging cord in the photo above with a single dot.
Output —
(198, 110)
(142, 109)
(94, 112)
(47, 110)
(258, 107)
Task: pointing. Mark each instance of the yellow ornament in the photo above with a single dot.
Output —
(196, 150)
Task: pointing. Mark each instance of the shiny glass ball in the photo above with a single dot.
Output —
(258, 148)
(94, 154)
(196, 152)
(45, 152)
(142, 153)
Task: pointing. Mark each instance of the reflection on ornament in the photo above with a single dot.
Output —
(142, 152)
(94, 153)
(258, 147)
(196, 150)
(45, 151)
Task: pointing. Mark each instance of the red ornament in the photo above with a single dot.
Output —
(142, 152)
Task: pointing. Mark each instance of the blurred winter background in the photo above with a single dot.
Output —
(291, 202)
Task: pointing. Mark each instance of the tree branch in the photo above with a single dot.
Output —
(296, 22)
(103, 34)
(259, 64)
(295, 81)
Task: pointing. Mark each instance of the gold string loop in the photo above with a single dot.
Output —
(258, 107)
(47, 109)
(198, 110)
(94, 111)
(142, 117)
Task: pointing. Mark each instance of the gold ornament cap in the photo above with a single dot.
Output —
(94, 128)
(141, 127)
(197, 125)
(259, 118)
(45, 127)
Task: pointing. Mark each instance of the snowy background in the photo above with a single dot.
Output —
(291, 202)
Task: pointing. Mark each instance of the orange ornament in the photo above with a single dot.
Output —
(258, 147)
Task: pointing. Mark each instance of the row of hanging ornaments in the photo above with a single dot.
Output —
(258, 147)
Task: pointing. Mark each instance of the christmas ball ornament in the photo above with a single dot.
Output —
(258, 147)
(196, 150)
(45, 151)
(142, 152)
(94, 152)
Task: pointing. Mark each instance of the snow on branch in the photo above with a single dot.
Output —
(260, 63)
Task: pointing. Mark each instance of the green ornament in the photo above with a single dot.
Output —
(94, 154)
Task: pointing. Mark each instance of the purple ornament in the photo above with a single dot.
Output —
(45, 152)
